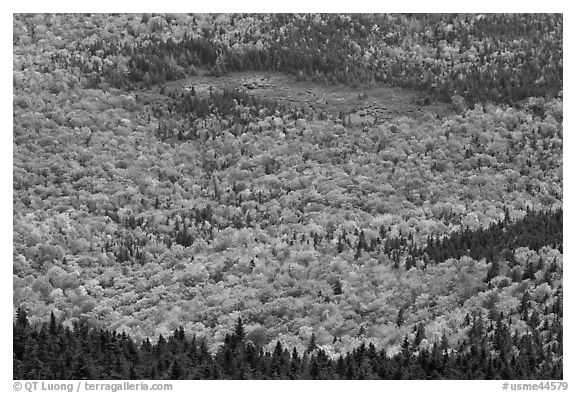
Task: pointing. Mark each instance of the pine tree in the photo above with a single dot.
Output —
(420, 335)
(493, 271)
(312, 344)
(340, 246)
(400, 318)
(21, 318)
(53, 326)
(239, 330)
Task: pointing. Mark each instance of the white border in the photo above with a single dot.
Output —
(291, 6)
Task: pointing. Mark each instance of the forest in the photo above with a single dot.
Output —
(58, 352)
(168, 225)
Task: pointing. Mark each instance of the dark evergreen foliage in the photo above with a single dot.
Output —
(536, 230)
(491, 351)
(506, 66)
(198, 204)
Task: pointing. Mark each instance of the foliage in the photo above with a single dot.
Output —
(491, 351)
(142, 205)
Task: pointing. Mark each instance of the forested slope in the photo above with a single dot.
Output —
(144, 208)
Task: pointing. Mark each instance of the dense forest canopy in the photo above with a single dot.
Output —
(179, 177)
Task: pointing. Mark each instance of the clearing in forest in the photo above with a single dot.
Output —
(364, 104)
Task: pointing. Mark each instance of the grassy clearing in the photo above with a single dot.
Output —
(366, 104)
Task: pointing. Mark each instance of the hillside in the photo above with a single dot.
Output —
(184, 171)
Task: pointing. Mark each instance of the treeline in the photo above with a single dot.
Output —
(536, 230)
(501, 58)
(494, 63)
(227, 103)
(490, 350)
(188, 115)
